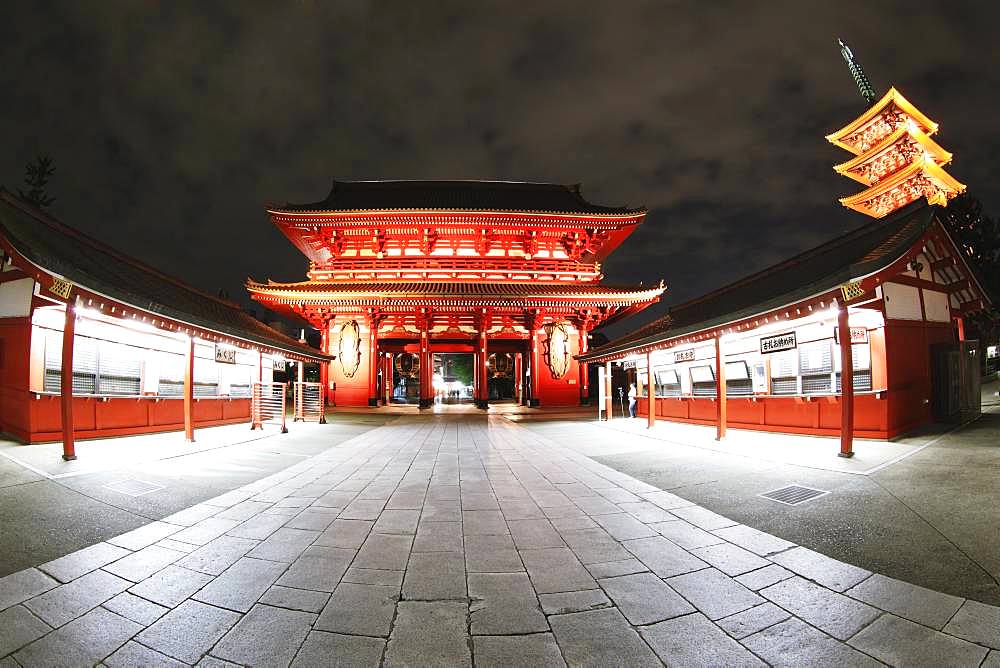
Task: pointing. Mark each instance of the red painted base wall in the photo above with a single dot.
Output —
(122, 416)
(818, 417)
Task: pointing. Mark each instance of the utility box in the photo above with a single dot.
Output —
(955, 381)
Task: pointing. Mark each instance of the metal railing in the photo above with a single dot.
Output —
(309, 405)
(267, 405)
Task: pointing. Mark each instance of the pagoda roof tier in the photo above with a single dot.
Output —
(923, 178)
(881, 119)
(511, 196)
(881, 160)
(452, 293)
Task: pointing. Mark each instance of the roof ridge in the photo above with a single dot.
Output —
(869, 228)
(54, 222)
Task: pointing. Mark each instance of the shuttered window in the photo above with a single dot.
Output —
(784, 372)
(171, 383)
(703, 381)
(668, 383)
(120, 369)
(99, 367)
(738, 381)
(861, 363)
(816, 366)
(206, 377)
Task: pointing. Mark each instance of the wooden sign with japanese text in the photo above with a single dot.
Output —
(777, 343)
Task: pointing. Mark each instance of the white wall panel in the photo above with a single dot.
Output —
(902, 302)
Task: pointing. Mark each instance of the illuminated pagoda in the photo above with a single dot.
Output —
(895, 156)
(403, 271)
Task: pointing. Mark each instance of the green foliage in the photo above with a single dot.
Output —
(36, 176)
(459, 366)
(978, 237)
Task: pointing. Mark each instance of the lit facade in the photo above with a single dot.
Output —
(402, 270)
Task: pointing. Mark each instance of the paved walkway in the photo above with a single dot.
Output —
(436, 541)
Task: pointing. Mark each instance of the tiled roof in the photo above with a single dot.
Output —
(488, 289)
(60, 249)
(860, 252)
(456, 196)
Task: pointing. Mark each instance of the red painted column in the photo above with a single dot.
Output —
(387, 381)
(536, 369)
(426, 370)
(720, 391)
(609, 401)
(518, 378)
(584, 376)
(846, 384)
(66, 381)
(324, 367)
(484, 373)
(189, 392)
(650, 392)
(373, 361)
(960, 325)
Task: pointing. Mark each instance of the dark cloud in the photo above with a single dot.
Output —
(172, 123)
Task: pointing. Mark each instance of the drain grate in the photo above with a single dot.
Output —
(133, 487)
(793, 495)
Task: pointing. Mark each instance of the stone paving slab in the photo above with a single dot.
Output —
(23, 585)
(453, 540)
(83, 561)
(695, 641)
(67, 602)
(930, 608)
(900, 642)
(526, 651)
(18, 627)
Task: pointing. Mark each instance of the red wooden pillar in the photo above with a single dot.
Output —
(66, 382)
(189, 392)
(373, 324)
(720, 390)
(387, 381)
(584, 376)
(426, 370)
(324, 367)
(484, 373)
(960, 325)
(536, 369)
(846, 384)
(650, 392)
(518, 378)
(609, 401)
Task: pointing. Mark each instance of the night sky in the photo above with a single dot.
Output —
(170, 125)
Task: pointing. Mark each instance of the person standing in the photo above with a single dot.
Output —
(631, 399)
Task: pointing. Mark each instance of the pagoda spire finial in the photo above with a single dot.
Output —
(860, 78)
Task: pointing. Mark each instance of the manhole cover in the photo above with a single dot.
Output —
(133, 487)
(793, 495)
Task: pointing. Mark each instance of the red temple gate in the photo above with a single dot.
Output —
(403, 270)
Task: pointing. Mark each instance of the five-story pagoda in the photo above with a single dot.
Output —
(404, 273)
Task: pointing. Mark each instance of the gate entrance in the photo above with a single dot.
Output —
(454, 378)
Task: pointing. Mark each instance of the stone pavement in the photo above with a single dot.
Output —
(443, 540)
